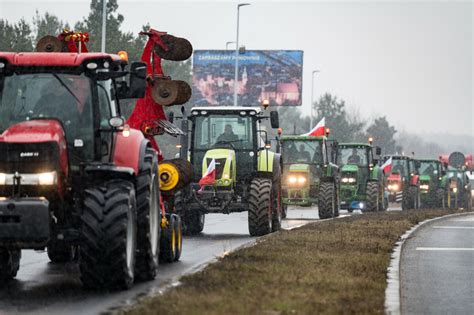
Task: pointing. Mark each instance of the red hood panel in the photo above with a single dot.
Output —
(34, 131)
(37, 131)
(395, 177)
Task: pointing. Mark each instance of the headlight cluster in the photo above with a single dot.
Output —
(393, 187)
(42, 179)
(424, 187)
(348, 180)
(297, 180)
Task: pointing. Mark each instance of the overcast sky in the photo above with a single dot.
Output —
(410, 61)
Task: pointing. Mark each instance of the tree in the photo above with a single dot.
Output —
(343, 128)
(383, 134)
(15, 37)
(48, 25)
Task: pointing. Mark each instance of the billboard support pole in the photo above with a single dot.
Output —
(237, 53)
(312, 100)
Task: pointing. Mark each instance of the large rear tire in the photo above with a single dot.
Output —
(326, 200)
(440, 198)
(276, 207)
(109, 236)
(148, 218)
(260, 207)
(168, 243)
(372, 197)
(9, 263)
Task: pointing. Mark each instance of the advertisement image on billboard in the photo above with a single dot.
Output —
(274, 75)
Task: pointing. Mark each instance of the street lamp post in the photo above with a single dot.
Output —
(312, 99)
(104, 23)
(227, 45)
(237, 53)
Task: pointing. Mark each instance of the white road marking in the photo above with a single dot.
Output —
(445, 248)
(470, 219)
(453, 227)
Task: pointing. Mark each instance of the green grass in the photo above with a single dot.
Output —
(336, 266)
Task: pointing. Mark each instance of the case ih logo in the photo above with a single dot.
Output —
(29, 154)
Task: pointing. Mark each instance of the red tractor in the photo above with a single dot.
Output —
(77, 179)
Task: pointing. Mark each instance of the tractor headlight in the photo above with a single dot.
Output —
(47, 178)
(424, 186)
(455, 190)
(348, 180)
(292, 179)
(3, 178)
(301, 180)
(393, 187)
(297, 180)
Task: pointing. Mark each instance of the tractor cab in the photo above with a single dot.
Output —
(361, 178)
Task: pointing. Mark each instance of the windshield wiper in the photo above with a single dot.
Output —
(67, 88)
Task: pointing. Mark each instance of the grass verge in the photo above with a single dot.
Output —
(335, 266)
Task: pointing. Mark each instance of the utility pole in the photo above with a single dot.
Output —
(104, 23)
(236, 76)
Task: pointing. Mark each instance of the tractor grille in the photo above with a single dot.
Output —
(28, 157)
(220, 163)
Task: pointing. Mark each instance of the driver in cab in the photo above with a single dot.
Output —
(354, 158)
(228, 135)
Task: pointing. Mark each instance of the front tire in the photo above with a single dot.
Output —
(109, 236)
(168, 243)
(326, 200)
(260, 212)
(193, 221)
(9, 263)
(372, 197)
(148, 218)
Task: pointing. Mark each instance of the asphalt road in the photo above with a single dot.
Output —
(437, 268)
(45, 288)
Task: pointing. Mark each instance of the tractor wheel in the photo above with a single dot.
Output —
(412, 198)
(9, 263)
(170, 92)
(327, 200)
(440, 198)
(109, 236)
(179, 49)
(407, 199)
(276, 207)
(148, 218)
(381, 196)
(175, 174)
(260, 207)
(60, 252)
(372, 197)
(179, 237)
(168, 240)
(193, 221)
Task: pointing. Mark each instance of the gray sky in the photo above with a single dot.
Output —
(410, 61)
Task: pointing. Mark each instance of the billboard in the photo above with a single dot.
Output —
(274, 75)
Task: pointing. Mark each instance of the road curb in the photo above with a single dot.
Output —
(392, 292)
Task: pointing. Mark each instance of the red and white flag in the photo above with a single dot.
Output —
(209, 178)
(319, 130)
(387, 166)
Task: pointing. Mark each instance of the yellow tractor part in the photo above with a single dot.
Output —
(169, 176)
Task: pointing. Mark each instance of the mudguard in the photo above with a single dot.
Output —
(129, 151)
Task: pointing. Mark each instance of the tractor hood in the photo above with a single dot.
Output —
(35, 131)
(395, 177)
(299, 168)
(425, 178)
(350, 168)
(225, 165)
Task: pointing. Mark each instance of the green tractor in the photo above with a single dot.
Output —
(362, 180)
(247, 175)
(310, 177)
(433, 183)
(459, 186)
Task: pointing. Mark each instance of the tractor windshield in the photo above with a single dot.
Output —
(65, 97)
(353, 155)
(428, 168)
(300, 151)
(400, 166)
(223, 130)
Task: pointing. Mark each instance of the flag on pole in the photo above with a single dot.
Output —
(387, 166)
(209, 178)
(319, 130)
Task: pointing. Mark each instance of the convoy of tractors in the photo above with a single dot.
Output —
(83, 183)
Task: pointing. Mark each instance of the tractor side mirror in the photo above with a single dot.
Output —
(171, 117)
(275, 122)
(137, 80)
(378, 150)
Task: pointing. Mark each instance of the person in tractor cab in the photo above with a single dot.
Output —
(303, 155)
(354, 158)
(429, 170)
(228, 135)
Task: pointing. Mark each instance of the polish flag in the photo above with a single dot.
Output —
(319, 130)
(209, 178)
(387, 166)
